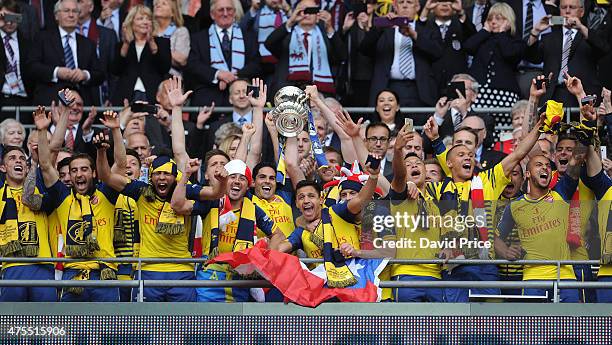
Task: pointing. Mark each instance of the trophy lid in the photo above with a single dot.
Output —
(289, 94)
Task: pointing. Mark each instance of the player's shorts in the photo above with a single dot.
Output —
(24, 293)
(604, 295)
(96, 294)
(166, 294)
(417, 294)
(470, 273)
(565, 295)
(584, 273)
(221, 294)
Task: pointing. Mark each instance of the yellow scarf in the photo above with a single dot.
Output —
(244, 234)
(18, 234)
(338, 274)
(82, 230)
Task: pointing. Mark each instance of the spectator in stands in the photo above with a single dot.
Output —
(599, 18)
(112, 16)
(220, 55)
(405, 69)
(30, 23)
(105, 40)
(451, 29)
(229, 145)
(139, 143)
(415, 146)
(387, 110)
(169, 21)
(16, 87)
(377, 138)
(527, 14)
(63, 59)
(262, 18)
(142, 60)
(12, 133)
(497, 51)
(308, 48)
(477, 13)
(571, 49)
(78, 134)
(485, 157)
(63, 170)
(359, 67)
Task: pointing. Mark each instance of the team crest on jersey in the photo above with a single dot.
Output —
(27, 233)
(76, 231)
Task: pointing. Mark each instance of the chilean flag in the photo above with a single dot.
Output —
(303, 286)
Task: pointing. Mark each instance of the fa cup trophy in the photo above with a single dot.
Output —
(290, 111)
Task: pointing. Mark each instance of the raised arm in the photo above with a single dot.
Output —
(110, 119)
(176, 97)
(398, 184)
(292, 162)
(352, 129)
(248, 130)
(358, 203)
(215, 190)
(258, 104)
(179, 202)
(273, 134)
(42, 120)
(534, 100)
(114, 180)
(348, 149)
(523, 148)
(60, 114)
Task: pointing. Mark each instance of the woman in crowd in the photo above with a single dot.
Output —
(142, 60)
(497, 52)
(12, 133)
(387, 109)
(169, 20)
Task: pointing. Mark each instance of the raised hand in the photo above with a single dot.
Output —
(248, 129)
(174, 89)
(308, 166)
(343, 119)
(533, 89)
(431, 129)
(573, 85)
(193, 166)
(371, 171)
(91, 117)
(259, 102)
(110, 119)
(221, 175)
(42, 120)
(312, 93)
(349, 21)
(606, 100)
(412, 190)
(101, 141)
(403, 138)
(442, 106)
(163, 117)
(204, 115)
(588, 111)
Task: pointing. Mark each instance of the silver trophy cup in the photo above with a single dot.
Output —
(290, 111)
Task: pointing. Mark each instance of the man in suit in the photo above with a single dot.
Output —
(16, 89)
(450, 115)
(572, 49)
(527, 14)
(403, 58)
(308, 48)
(64, 59)
(105, 40)
(30, 24)
(378, 137)
(112, 16)
(219, 56)
(450, 28)
(477, 13)
(485, 157)
(79, 132)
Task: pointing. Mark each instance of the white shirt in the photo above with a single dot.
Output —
(219, 31)
(85, 27)
(456, 117)
(14, 43)
(248, 117)
(115, 20)
(86, 138)
(73, 46)
(561, 79)
(139, 85)
(395, 68)
(440, 23)
(475, 19)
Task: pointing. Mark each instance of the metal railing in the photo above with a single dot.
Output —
(140, 283)
(352, 110)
